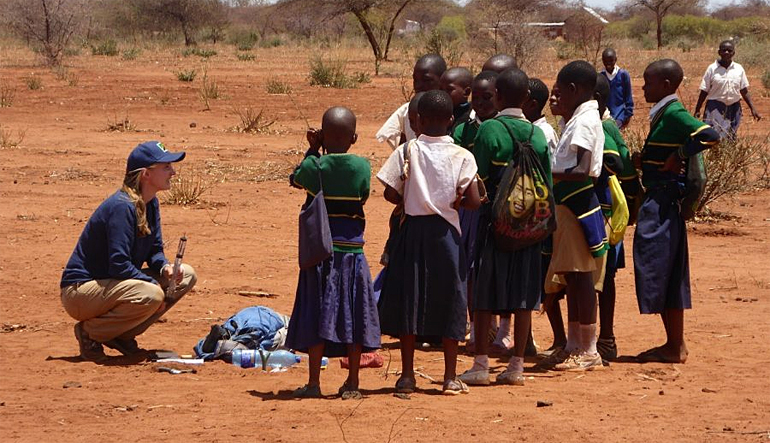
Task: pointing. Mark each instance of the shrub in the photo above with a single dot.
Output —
(187, 187)
(275, 86)
(63, 74)
(329, 74)
(245, 41)
(445, 44)
(120, 125)
(107, 47)
(131, 54)
(246, 57)
(253, 122)
(766, 80)
(753, 52)
(186, 76)
(731, 167)
(564, 50)
(452, 27)
(209, 90)
(362, 77)
(7, 94)
(8, 140)
(204, 53)
(272, 42)
(33, 82)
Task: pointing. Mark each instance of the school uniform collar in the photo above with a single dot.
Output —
(662, 104)
(587, 106)
(512, 112)
(611, 75)
(726, 68)
(440, 139)
(606, 115)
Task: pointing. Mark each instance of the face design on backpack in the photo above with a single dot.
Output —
(523, 197)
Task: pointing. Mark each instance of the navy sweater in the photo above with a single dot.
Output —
(621, 100)
(110, 247)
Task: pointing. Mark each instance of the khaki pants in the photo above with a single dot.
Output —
(122, 308)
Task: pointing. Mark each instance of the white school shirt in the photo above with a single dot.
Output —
(583, 130)
(438, 170)
(611, 75)
(724, 84)
(550, 135)
(397, 123)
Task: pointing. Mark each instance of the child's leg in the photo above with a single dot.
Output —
(607, 307)
(407, 356)
(315, 354)
(481, 322)
(675, 348)
(354, 362)
(573, 323)
(450, 358)
(522, 322)
(557, 325)
(580, 286)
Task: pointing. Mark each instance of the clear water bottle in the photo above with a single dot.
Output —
(250, 358)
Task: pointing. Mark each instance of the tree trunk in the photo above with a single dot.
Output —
(369, 35)
(659, 31)
(393, 27)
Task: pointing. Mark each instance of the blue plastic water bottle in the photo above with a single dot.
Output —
(250, 358)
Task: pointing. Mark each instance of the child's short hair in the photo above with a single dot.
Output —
(500, 63)
(462, 76)
(667, 69)
(602, 87)
(435, 104)
(486, 76)
(512, 85)
(579, 72)
(609, 52)
(538, 92)
(432, 62)
(414, 102)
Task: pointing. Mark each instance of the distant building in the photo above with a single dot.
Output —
(411, 27)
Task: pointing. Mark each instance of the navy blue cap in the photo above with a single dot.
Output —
(149, 153)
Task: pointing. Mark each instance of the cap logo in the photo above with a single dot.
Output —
(161, 147)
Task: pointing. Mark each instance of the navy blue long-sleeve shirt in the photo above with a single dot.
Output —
(110, 247)
(621, 99)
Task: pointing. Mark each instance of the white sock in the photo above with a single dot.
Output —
(588, 338)
(516, 364)
(504, 331)
(480, 363)
(573, 336)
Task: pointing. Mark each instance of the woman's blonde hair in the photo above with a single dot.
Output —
(132, 186)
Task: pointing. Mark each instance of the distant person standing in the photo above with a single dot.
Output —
(722, 87)
(620, 103)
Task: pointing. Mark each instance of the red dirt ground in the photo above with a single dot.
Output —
(243, 237)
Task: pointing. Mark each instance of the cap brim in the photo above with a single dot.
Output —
(171, 157)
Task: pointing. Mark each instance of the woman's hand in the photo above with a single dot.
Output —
(168, 273)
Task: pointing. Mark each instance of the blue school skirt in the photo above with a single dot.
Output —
(424, 290)
(723, 118)
(335, 305)
(661, 263)
(506, 281)
(469, 225)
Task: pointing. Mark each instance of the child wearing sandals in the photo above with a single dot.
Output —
(424, 292)
(334, 311)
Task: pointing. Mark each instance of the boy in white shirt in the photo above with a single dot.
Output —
(722, 87)
(580, 241)
(424, 292)
(426, 76)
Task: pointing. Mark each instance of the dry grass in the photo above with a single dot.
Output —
(209, 90)
(277, 168)
(187, 187)
(9, 140)
(121, 125)
(736, 166)
(253, 122)
(7, 94)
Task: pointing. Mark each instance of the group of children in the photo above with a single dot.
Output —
(442, 260)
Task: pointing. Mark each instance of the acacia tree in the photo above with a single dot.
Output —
(660, 8)
(48, 25)
(189, 15)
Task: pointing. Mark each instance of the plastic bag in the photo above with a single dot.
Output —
(618, 221)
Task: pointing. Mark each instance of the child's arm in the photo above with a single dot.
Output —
(471, 198)
(612, 162)
(699, 141)
(392, 196)
(701, 99)
(629, 100)
(580, 171)
(314, 141)
(747, 99)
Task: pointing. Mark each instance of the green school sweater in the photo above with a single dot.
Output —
(672, 129)
(465, 134)
(346, 180)
(493, 148)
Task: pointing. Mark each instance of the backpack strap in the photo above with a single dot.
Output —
(513, 137)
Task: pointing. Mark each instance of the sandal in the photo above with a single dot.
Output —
(406, 385)
(307, 391)
(454, 387)
(348, 393)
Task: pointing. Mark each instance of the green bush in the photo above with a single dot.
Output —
(186, 76)
(245, 56)
(33, 82)
(753, 52)
(444, 44)
(452, 27)
(271, 42)
(244, 41)
(275, 86)
(205, 53)
(131, 54)
(107, 47)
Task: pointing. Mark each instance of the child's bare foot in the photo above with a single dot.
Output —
(664, 354)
